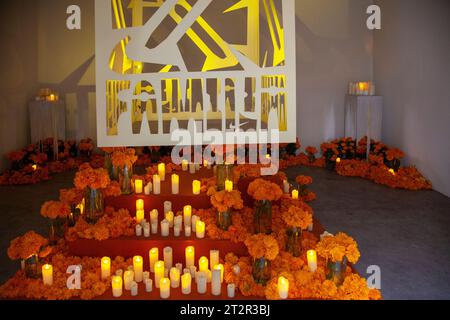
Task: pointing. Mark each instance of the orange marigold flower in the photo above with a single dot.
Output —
(261, 189)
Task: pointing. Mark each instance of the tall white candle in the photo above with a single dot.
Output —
(117, 286)
(156, 184)
(167, 206)
(174, 277)
(168, 257)
(128, 278)
(231, 290)
(190, 256)
(159, 272)
(200, 229)
(138, 186)
(165, 227)
(216, 285)
(186, 283)
(154, 216)
(201, 283)
(175, 184)
(311, 256)
(187, 213)
(213, 258)
(138, 266)
(162, 171)
(106, 267)
(164, 288)
(153, 257)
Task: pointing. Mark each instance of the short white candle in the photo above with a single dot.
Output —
(138, 266)
(134, 289)
(286, 186)
(139, 204)
(153, 258)
(164, 288)
(168, 257)
(105, 267)
(138, 186)
(147, 230)
(117, 285)
(174, 277)
(148, 285)
(213, 258)
(196, 186)
(222, 270)
(200, 229)
(169, 217)
(179, 266)
(128, 278)
(156, 184)
(165, 227)
(283, 287)
(167, 206)
(187, 231)
(186, 283)
(138, 230)
(231, 290)
(184, 165)
(159, 272)
(47, 274)
(175, 184)
(148, 189)
(201, 283)
(145, 275)
(193, 270)
(176, 231)
(216, 285)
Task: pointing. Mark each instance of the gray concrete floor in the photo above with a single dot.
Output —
(405, 233)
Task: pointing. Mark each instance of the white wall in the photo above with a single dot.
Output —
(412, 71)
(18, 75)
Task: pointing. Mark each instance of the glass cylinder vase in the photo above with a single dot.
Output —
(224, 219)
(261, 271)
(336, 271)
(125, 175)
(31, 267)
(294, 241)
(57, 230)
(223, 172)
(94, 205)
(262, 216)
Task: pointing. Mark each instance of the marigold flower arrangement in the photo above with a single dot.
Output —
(55, 210)
(261, 189)
(16, 155)
(335, 248)
(297, 217)
(262, 246)
(225, 200)
(25, 246)
(92, 178)
(71, 196)
(304, 180)
(112, 190)
(86, 145)
(124, 157)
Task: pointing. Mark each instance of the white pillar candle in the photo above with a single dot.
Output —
(178, 221)
(176, 231)
(203, 264)
(138, 186)
(311, 256)
(154, 216)
(128, 278)
(159, 272)
(196, 186)
(184, 165)
(216, 285)
(187, 213)
(169, 217)
(138, 230)
(148, 189)
(187, 231)
(148, 285)
(140, 214)
(47, 274)
(153, 258)
(200, 229)
(213, 258)
(191, 168)
(283, 287)
(154, 227)
(222, 270)
(194, 223)
(175, 184)
(156, 184)
(147, 230)
(286, 186)
(165, 227)
(164, 288)
(116, 285)
(168, 257)
(106, 267)
(174, 277)
(236, 269)
(190, 256)
(139, 204)
(231, 290)
(138, 266)
(186, 283)
(145, 276)
(167, 206)
(134, 289)
(201, 283)
(162, 171)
